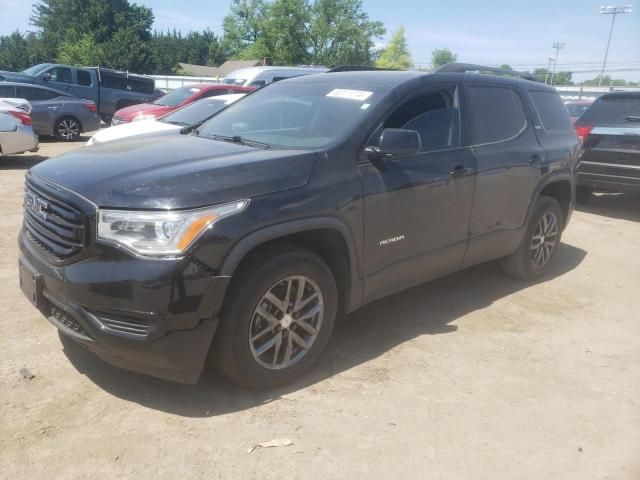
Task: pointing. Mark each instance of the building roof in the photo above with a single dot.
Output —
(221, 71)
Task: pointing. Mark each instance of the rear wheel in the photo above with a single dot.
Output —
(277, 319)
(540, 241)
(67, 129)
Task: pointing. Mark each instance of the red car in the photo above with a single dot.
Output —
(172, 101)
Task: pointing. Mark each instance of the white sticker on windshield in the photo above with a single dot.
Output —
(359, 95)
(194, 90)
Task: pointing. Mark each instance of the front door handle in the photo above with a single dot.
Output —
(535, 160)
(461, 171)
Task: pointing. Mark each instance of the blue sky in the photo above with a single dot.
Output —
(519, 33)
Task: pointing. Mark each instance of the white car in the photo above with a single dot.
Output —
(170, 123)
(16, 131)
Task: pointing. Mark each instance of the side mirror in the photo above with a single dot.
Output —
(395, 143)
(46, 77)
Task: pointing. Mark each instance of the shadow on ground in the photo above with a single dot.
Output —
(614, 205)
(21, 162)
(360, 337)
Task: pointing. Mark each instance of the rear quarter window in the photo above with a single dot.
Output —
(496, 113)
(552, 112)
(611, 110)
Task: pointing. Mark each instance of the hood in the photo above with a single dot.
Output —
(126, 130)
(128, 113)
(16, 77)
(175, 172)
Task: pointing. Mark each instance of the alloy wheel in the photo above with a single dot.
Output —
(68, 129)
(544, 239)
(286, 322)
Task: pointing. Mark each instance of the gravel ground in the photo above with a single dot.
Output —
(474, 376)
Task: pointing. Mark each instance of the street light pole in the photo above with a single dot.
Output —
(613, 11)
(546, 75)
(557, 46)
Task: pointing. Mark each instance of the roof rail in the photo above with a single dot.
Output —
(468, 67)
(357, 68)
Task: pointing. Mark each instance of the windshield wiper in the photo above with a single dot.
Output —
(239, 140)
(179, 124)
(632, 118)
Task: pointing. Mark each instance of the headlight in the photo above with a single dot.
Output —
(143, 117)
(161, 233)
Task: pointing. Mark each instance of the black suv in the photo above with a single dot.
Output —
(610, 130)
(307, 198)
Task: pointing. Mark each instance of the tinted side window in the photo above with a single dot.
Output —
(84, 78)
(497, 113)
(612, 110)
(7, 91)
(213, 93)
(35, 94)
(434, 115)
(60, 74)
(553, 114)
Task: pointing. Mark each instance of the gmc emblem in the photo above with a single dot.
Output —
(36, 204)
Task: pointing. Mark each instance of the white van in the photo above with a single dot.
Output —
(261, 76)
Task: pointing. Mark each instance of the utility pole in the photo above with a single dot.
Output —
(546, 75)
(613, 11)
(557, 46)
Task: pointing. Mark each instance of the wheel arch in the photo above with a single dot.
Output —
(327, 237)
(560, 187)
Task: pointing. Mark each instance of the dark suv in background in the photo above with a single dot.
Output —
(309, 197)
(610, 131)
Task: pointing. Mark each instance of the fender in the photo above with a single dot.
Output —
(553, 177)
(249, 242)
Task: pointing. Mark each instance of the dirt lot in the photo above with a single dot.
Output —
(475, 376)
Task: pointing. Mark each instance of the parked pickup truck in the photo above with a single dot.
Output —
(111, 90)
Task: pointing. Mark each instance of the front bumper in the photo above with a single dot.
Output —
(150, 316)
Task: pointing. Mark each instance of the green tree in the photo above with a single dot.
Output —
(81, 51)
(396, 54)
(442, 56)
(13, 52)
(341, 33)
(559, 78)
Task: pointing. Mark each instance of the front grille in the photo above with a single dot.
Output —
(55, 226)
(67, 320)
(117, 120)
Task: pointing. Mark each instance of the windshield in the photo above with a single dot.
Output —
(36, 69)
(195, 112)
(234, 81)
(576, 109)
(177, 96)
(293, 115)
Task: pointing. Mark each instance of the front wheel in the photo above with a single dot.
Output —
(277, 320)
(540, 241)
(67, 129)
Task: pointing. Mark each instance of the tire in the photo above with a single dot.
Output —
(247, 314)
(583, 194)
(67, 129)
(528, 263)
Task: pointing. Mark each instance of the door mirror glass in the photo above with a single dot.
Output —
(395, 143)
(46, 77)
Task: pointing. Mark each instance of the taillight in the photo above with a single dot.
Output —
(91, 107)
(25, 118)
(583, 132)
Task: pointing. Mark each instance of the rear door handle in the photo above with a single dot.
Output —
(461, 171)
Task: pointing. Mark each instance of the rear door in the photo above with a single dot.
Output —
(45, 107)
(510, 163)
(85, 85)
(612, 147)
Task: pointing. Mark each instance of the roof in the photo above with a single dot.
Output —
(221, 71)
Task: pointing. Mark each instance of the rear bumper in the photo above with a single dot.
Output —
(159, 320)
(608, 182)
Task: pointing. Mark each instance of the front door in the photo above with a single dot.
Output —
(416, 209)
